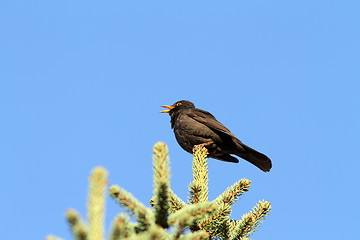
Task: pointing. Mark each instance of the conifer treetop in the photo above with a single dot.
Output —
(170, 217)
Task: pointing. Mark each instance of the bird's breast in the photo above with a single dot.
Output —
(189, 132)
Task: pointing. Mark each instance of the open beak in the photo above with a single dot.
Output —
(168, 109)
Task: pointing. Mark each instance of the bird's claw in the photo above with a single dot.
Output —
(202, 145)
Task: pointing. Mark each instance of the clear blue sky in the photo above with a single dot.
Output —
(81, 84)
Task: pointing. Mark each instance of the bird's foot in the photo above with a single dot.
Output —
(202, 145)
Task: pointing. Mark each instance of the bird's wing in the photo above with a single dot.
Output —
(209, 120)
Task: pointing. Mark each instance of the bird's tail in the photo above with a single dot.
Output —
(251, 155)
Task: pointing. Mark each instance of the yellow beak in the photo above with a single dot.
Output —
(168, 109)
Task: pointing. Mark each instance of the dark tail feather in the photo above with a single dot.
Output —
(251, 155)
(226, 158)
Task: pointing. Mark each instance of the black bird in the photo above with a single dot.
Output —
(193, 126)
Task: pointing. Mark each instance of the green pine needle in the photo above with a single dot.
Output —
(78, 228)
(161, 184)
(125, 199)
(232, 193)
(96, 203)
(121, 228)
(251, 221)
(52, 237)
(198, 235)
(199, 186)
(188, 215)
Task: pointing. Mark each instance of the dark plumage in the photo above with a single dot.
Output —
(193, 126)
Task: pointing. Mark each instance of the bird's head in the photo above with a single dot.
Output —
(183, 104)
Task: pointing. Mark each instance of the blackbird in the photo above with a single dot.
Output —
(193, 126)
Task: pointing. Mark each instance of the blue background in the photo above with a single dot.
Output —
(81, 84)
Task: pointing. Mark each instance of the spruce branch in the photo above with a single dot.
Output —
(52, 237)
(125, 199)
(96, 203)
(206, 220)
(199, 186)
(232, 193)
(121, 228)
(251, 221)
(189, 215)
(198, 235)
(215, 221)
(155, 232)
(78, 228)
(224, 231)
(161, 184)
(176, 203)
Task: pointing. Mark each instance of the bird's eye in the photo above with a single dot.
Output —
(178, 104)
